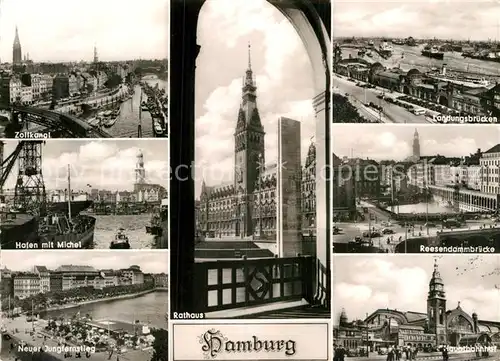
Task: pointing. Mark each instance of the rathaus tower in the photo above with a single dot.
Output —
(248, 152)
(17, 55)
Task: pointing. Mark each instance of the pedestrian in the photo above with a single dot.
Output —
(390, 354)
(407, 352)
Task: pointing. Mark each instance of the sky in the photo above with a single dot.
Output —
(394, 142)
(60, 30)
(284, 81)
(149, 261)
(474, 20)
(107, 164)
(364, 284)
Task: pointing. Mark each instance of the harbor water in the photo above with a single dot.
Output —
(148, 309)
(134, 225)
(431, 208)
(130, 113)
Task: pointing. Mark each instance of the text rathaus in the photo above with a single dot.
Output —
(248, 205)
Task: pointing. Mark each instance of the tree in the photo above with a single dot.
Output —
(160, 345)
(114, 80)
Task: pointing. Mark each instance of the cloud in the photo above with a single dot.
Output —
(389, 142)
(283, 75)
(58, 30)
(475, 20)
(364, 284)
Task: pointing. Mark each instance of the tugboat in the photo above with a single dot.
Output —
(120, 241)
(432, 52)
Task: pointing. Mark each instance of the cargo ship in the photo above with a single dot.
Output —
(385, 50)
(20, 230)
(432, 52)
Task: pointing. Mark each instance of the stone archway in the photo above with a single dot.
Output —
(312, 23)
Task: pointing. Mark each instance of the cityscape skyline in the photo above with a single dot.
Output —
(283, 74)
(390, 19)
(394, 142)
(149, 261)
(72, 29)
(107, 165)
(402, 283)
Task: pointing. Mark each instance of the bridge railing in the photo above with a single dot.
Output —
(234, 284)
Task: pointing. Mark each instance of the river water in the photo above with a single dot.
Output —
(413, 59)
(130, 112)
(433, 207)
(148, 309)
(134, 225)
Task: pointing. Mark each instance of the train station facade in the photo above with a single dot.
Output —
(424, 330)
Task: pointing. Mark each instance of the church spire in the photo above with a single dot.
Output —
(249, 56)
(16, 38)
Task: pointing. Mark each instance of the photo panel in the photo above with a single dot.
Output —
(417, 307)
(97, 70)
(84, 194)
(445, 68)
(248, 163)
(416, 189)
(88, 304)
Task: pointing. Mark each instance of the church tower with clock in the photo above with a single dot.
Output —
(249, 154)
(436, 307)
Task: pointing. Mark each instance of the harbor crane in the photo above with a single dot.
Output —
(29, 193)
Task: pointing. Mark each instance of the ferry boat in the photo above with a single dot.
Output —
(111, 119)
(385, 50)
(433, 52)
(157, 128)
(121, 240)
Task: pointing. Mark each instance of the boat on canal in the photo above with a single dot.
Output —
(433, 52)
(121, 240)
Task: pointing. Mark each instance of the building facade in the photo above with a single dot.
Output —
(424, 330)
(247, 206)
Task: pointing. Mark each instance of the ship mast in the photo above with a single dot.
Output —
(69, 193)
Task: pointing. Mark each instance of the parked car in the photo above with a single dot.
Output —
(388, 231)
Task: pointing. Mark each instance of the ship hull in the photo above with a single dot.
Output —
(495, 60)
(439, 56)
(27, 236)
(121, 245)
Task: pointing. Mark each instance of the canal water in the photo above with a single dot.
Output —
(413, 59)
(126, 125)
(134, 225)
(433, 207)
(148, 309)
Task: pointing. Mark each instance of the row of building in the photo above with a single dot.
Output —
(466, 97)
(28, 89)
(42, 280)
(472, 181)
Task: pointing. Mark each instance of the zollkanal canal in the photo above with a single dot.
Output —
(149, 309)
(130, 113)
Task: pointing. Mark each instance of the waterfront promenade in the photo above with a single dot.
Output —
(31, 334)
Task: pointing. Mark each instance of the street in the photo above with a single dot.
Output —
(392, 112)
(431, 357)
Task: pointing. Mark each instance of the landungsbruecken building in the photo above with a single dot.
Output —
(248, 205)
